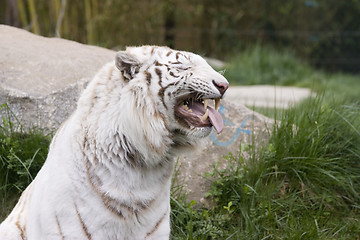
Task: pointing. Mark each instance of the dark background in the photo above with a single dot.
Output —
(325, 33)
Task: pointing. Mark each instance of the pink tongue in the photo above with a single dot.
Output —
(216, 120)
(214, 116)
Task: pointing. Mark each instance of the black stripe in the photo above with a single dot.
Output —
(83, 226)
(148, 78)
(157, 224)
(59, 228)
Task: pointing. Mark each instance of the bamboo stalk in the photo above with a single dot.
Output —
(22, 12)
(33, 16)
(95, 13)
(89, 27)
(56, 8)
(60, 18)
(66, 22)
(95, 8)
(54, 13)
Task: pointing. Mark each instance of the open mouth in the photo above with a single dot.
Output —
(198, 113)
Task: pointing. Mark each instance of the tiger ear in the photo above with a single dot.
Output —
(128, 65)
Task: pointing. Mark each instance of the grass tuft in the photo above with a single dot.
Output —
(22, 153)
(303, 185)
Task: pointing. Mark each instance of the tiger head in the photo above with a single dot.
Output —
(184, 89)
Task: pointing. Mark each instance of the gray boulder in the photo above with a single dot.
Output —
(42, 78)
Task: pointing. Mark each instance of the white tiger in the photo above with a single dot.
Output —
(109, 167)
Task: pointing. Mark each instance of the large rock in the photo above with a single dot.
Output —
(41, 79)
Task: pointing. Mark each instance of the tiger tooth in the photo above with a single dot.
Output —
(205, 116)
(206, 103)
(217, 104)
(186, 108)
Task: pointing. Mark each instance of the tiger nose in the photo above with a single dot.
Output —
(221, 86)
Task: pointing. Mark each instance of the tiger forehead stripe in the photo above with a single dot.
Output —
(168, 54)
(177, 62)
(158, 64)
(153, 49)
(172, 74)
(159, 73)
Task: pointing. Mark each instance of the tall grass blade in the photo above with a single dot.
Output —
(349, 123)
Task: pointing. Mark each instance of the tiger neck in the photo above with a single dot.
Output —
(114, 170)
(118, 149)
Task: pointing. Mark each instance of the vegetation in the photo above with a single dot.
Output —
(304, 184)
(265, 65)
(324, 32)
(22, 153)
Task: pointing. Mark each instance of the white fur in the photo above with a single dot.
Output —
(109, 167)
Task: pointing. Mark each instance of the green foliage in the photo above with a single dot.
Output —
(109, 23)
(318, 141)
(326, 33)
(265, 65)
(303, 185)
(21, 155)
(191, 224)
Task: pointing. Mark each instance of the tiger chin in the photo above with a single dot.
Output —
(109, 167)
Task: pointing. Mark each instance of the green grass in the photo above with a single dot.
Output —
(22, 153)
(303, 184)
(265, 65)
